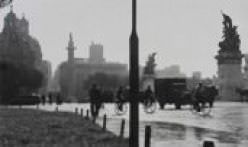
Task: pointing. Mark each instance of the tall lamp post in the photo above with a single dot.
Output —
(134, 82)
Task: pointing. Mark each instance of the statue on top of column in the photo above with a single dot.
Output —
(231, 41)
(150, 65)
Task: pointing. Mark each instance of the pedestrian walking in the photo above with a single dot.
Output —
(95, 104)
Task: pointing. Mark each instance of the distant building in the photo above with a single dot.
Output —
(194, 80)
(54, 84)
(76, 70)
(96, 54)
(197, 75)
(171, 71)
(46, 69)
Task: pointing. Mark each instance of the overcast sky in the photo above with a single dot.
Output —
(184, 32)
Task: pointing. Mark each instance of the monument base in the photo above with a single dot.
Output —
(148, 80)
(229, 93)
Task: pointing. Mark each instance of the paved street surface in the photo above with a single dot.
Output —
(227, 124)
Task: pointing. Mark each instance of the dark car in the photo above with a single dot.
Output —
(25, 100)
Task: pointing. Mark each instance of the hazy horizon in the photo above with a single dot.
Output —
(183, 32)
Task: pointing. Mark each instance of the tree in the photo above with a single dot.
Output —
(18, 79)
(30, 79)
(9, 82)
(65, 79)
(19, 73)
(105, 81)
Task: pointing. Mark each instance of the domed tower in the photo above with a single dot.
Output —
(71, 48)
(229, 61)
(70, 70)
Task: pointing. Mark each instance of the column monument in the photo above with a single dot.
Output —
(229, 60)
(149, 72)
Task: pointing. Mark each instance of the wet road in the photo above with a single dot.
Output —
(227, 124)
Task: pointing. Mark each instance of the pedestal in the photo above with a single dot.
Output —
(148, 80)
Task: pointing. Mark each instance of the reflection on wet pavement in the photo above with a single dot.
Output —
(226, 126)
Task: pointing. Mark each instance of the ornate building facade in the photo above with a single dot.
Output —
(73, 72)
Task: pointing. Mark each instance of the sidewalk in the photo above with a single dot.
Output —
(26, 127)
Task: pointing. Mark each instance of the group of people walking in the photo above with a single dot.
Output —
(50, 98)
(121, 96)
(200, 96)
(96, 98)
(204, 94)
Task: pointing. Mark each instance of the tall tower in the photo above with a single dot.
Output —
(229, 61)
(71, 48)
(70, 70)
(96, 53)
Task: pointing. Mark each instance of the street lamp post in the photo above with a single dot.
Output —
(134, 82)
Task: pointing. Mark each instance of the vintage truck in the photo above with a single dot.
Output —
(172, 91)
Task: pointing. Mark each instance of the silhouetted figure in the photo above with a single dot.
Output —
(43, 99)
(213, 92)
(50, 98)
(126, 93)
(199, 91)
(102, 96)
(119, 94)
(95, 102)
(120, 97)
(58, 99)
(199, 96)
(148, 99)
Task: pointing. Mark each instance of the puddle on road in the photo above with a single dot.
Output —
(174, 135)
(169, 131)
(227, 127)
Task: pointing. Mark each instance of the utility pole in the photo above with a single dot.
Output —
(134, 81)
